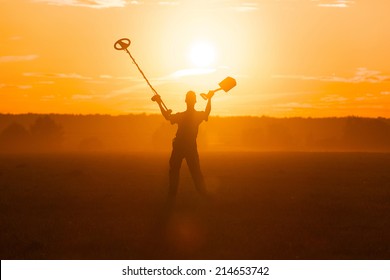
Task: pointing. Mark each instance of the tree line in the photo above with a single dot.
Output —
(105, 133)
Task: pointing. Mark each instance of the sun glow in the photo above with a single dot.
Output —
(202, 54)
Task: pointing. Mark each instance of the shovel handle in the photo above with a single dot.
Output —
(206, 96)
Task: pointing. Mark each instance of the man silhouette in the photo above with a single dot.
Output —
(184, 144)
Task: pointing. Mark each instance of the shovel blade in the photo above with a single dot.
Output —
(227, 84)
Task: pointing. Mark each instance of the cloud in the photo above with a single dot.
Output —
(103, 79)
(97, 4)
(56, 75)
(136, 84)
(366, 75)
(368, 97)
(370, 106)
(16, 38)
(246, 7)
(81, 97)
(362, 75)
(140, 84)
(169, 3)
(30, 57)
(334, 98)
(22, 87)
(334, 4)
(104, 76)
(72, 76)
(253, 5)
(133, 88)
(51, 78)
(175, 75)
(46, 82)
(101, 4)
(294, 105)
(47, 97)
(236, 5)
(25, 86)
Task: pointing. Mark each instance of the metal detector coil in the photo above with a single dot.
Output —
(123, 43)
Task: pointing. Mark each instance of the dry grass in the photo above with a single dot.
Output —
(265, 206)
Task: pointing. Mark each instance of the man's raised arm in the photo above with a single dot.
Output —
(165, 113)
(208, 106)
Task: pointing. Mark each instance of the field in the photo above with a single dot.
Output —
(263, 206)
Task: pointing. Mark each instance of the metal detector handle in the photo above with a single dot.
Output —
(157, 98)
(169, 111)
(165, 107)
(206, 96)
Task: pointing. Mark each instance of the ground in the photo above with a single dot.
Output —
(263, 206)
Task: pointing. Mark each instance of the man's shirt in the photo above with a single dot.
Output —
(188, 123)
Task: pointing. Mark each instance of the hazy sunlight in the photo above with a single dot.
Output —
(202, 54)
(289, 58)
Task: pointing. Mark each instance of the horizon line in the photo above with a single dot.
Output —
(218, 116)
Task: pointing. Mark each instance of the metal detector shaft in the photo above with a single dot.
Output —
(123, 44)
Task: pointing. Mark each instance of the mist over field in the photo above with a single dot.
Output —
(95, 187)
(104, 133)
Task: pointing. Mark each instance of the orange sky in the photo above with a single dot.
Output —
(290, 57)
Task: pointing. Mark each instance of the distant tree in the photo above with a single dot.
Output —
(14, 138)
(367, 134)
(46, 134)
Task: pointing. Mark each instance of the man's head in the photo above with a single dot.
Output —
(190, 98)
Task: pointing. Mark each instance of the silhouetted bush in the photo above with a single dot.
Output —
(46, 134)
(14, 138)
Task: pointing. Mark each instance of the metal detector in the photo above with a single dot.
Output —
(227, 84)
(122, 45)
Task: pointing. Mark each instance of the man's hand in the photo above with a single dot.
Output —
(164, 110)
(210, 94)
(157, 98)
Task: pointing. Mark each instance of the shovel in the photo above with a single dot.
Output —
(227, 84)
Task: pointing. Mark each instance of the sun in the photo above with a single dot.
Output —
(202, 54)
